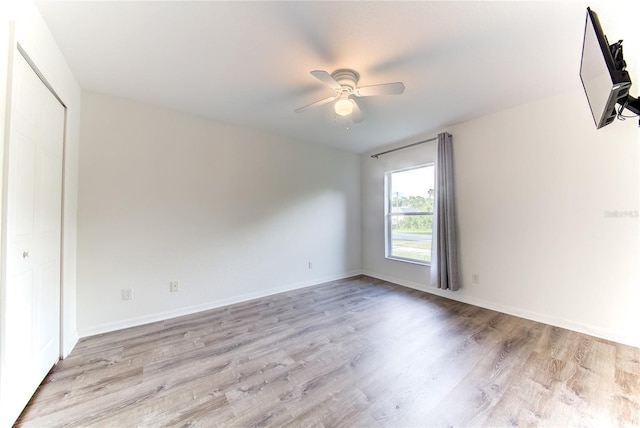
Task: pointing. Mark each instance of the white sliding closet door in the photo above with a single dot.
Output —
(31, 235)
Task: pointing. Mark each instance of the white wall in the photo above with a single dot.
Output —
(536, 186)
(32, 34)
(229, 213)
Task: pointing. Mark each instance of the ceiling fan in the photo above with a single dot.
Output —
(344, 83)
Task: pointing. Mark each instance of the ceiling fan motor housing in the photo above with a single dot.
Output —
(347, 78)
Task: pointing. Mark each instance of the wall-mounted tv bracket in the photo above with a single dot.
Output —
(630, 103)
(633, 104)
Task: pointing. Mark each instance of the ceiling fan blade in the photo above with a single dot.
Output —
(395, 88)
(356, 114)
(316, 103)
(326, 78)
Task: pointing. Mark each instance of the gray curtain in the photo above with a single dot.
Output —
(444, 245)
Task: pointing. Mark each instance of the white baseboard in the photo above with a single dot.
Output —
(188, 310)
(591, 330)
(69, 344)
(507, 309)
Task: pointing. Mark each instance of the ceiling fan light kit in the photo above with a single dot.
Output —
(344, 83)
(343, 107)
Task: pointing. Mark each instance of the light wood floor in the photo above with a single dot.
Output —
(356, 352)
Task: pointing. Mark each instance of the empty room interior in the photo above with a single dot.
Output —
(357, 214)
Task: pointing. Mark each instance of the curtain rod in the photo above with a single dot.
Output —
(404, 147)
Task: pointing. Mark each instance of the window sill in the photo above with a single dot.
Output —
(412, 261)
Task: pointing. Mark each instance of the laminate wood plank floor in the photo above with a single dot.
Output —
(349, 353)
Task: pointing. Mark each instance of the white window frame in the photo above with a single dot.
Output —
(388, 215)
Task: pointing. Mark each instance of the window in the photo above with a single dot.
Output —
(409, 214)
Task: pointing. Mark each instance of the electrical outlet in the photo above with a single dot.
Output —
(174, 286)
(310, 265)
(476, 278)
(127, 294)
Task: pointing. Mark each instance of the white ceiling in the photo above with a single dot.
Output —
(248, 63)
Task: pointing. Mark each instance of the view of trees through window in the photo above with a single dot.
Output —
(410, 214)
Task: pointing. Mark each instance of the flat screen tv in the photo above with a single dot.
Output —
(604, 79)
